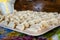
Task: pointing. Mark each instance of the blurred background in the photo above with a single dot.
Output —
(38, 5)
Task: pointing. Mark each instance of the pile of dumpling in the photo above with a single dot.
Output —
(30, 20)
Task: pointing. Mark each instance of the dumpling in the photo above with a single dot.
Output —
(33, 29)
(1, 18)
(4, 23)
(20, 27)
(51, 15)
(16, 18)
(37, 26)
(59, 19)
(11, 24)
(31, 22)
(44, 25)
(26, 24)
(7, 19)
(37, 21)
(17, 22)
(53, 22)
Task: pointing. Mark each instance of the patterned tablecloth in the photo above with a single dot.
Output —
(7, 34)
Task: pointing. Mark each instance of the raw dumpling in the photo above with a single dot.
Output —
(11, 24)
(35, 28)
(4, 23)
(1, 18)
(20, 27)
(44, 25)
(16, 18)
(53, 22)
(7, 19)
(26, 24)
(31, 22)
(59, 19)
(37, 21)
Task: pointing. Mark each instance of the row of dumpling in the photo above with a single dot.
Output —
(33, 15)
(35, 21)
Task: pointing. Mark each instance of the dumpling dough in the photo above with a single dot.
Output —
(35, 28)
(20, 27)
(59, 19)
(4, 23)
(31, 22)
(26, 24)
(53, 22)
(44, 25)
(11, 24)
(1, 18)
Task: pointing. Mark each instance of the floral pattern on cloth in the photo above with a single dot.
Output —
(7, 34)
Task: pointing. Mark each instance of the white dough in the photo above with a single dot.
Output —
(11, 25)
(31, 20)
(20, 27)
(33, 30)
(4, 23)
(1, 18)
(26, 24)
